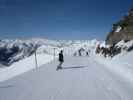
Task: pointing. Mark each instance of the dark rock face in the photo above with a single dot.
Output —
(6, 54)
(122, 30)
(15, 52)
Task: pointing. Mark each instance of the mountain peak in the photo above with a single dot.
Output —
(131, 12)
(121, 30)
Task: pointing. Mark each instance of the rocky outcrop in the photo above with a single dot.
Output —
(122, 30)
(12, 52)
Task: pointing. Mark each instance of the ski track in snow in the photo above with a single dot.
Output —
(82, 78)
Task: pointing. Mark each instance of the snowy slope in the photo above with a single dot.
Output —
(81, 79)
(121, 64)
(23, 66)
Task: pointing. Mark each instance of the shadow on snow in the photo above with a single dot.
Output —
(6, 86)
(74, 67)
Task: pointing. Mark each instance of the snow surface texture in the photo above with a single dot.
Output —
(122, 64)
(24, 66)
(82, 78)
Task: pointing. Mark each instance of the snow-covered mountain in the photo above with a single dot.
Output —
(14, 50)
(122, 29)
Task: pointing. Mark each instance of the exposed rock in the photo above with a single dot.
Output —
(122, 30)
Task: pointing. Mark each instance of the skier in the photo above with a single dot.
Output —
(79, 51)
(88, 53)
(61, 60)
(98, 49)
(75, 54)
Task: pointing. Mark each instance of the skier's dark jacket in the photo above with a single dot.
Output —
(61, 58)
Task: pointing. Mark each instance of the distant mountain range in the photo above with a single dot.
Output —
(14, 50)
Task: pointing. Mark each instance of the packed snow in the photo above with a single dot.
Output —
(122, 64)
(81, 78)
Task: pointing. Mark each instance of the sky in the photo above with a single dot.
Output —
(60, 19)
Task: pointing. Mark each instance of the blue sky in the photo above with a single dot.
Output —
(60, 19)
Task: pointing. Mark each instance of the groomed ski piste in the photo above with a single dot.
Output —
(90, 77)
